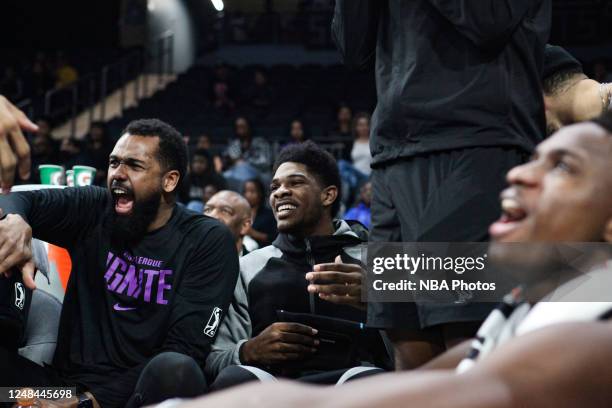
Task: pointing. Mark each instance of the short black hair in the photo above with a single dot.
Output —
(605, 121)
(172, 151)
(318, 162)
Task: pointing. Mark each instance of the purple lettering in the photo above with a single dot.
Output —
(131, 282)
(118, 262)
(163, 286)
(150, 275)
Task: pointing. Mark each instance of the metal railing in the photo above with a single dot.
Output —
(91, 90)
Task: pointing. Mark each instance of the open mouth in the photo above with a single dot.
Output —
(512, 216)
(124, 200)
(284, 210)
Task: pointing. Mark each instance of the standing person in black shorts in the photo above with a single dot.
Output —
(459, 104)
(150, 280)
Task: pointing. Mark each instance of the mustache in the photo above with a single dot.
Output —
(118, 184)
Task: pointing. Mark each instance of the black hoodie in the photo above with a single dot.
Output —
(449, 74)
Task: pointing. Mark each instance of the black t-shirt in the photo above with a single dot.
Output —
(124, 305)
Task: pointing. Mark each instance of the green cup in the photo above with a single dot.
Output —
(83, 175)
(70, 178)
(51, 174)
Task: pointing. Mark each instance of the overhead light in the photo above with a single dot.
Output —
(217, 4)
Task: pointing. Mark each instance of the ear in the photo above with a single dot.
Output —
(329, 195)
(607, 234)
(170, 181)
(246, 226)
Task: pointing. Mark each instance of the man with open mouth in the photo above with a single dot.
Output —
(150, 280)
(528, 353)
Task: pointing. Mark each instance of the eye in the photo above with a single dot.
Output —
(563, 166)
(113, 163)
(207, 210)
(273, 187)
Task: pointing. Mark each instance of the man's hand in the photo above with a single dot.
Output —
(278, 343)
(338, 283)
(14, 149)
(16, 248)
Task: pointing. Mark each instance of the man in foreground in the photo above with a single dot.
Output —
(150, 280)
(564, 194)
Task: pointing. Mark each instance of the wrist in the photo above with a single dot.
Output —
(244, 354)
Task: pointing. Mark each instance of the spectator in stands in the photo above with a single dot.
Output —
(311, 244)
(72, 153)
(201, 175)
(298, 132)
(233, 210)
(342, 130)
(65, 74)
(222, 90)
(203, 142)
(569, 95)
(11, 86)
(361, 212)
(246, 150)
(527, 354)
(263, 229)
(356, 170)
(209, 191)
(360, 152)
(98, 146)
(41, 77)
(260, 94)
(44, 130)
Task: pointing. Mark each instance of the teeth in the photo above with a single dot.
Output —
(509, 204)
(512, 209)
(119, 191)
(286, 207)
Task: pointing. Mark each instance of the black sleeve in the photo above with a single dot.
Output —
(203, 295)
(489, 24)
(59, 216)
(354, 30)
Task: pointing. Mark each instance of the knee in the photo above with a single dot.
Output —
(232, 376)
(180, 365)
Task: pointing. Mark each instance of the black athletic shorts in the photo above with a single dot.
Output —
(447, 196)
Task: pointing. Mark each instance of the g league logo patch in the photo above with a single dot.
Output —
(19, 296)
(213, 322)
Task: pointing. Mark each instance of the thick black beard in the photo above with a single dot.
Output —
(129, 229)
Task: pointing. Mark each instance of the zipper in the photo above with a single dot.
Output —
(311, 262)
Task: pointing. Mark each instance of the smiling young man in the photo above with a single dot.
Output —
(310, 268)
(150, 281)
(527, 354)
